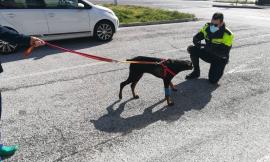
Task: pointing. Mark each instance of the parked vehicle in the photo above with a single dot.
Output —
(56, 19)
(262, 2)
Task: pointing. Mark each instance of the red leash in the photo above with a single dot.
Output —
(166, 69)
(81, 54)
(29, 51)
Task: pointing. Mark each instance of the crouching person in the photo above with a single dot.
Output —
(219, 41)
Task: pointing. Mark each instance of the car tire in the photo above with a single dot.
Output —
(8, 48)
(104, 31)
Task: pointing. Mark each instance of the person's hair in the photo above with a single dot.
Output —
(218, 16)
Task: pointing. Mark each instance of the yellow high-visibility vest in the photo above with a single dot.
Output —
(227, 38)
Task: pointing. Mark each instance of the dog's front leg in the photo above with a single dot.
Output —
(133, 85)
(167, 90)
(173, 87)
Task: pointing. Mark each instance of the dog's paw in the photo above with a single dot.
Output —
(171, 104)
(136, 97)
(120, 97)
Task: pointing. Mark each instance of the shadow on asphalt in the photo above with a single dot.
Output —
(193, 94)
(38, 53)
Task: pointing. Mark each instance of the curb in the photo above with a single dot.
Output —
(159, 22)
(230, 6)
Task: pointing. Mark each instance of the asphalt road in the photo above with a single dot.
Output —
(61, 107)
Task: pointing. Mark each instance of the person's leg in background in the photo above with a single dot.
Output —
(5, 151)
(217, 64)
(216, 71)
(194, 56)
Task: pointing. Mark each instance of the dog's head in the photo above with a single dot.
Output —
(181, 65)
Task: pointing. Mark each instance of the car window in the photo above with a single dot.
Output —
(64, 4)
(86, 5)
(12, 4)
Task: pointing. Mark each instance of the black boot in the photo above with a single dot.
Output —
(193, 75)
(196, 72)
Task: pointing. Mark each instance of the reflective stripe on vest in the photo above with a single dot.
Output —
(226, 40)
(203, 30)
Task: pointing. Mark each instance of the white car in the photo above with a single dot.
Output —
(56, 19)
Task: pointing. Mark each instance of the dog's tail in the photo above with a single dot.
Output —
(138, 58)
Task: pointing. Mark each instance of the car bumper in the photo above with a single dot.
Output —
(116, 24)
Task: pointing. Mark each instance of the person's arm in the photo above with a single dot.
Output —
(200, 35)
(198, 38)
(221, 51)
(13, 37)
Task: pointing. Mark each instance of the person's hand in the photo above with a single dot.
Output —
(36, 42)
(196, 42)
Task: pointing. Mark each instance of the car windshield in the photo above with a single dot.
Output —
(88, 2)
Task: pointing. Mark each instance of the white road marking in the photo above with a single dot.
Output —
(237, 68)
(252, 37)
(243, 67)
(73, 67)
(54, 71)
(242, 71)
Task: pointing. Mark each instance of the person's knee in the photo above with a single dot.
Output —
(213, 81)
(214, 77)
(192, 49)
(215, 73)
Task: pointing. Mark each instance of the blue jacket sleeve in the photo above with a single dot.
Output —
(13, 37)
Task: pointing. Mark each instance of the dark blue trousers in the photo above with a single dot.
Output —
(217, 64)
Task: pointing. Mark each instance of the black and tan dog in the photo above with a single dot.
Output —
(136, 71)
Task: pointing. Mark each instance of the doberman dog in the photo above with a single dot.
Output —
(164, 69)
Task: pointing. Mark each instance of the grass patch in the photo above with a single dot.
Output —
(234, 1)
(132, 14)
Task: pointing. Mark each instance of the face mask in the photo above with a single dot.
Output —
(213, 29)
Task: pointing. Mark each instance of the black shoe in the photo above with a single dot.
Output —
(193, 75)
(213, 82)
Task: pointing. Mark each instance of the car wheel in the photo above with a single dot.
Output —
(104, 31)
(7, 48)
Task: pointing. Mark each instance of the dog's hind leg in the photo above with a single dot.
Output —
(122, 85)
(128, 81)
(133, 85)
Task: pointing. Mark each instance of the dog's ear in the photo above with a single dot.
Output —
(93, 121)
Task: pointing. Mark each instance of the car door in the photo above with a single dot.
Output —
(23, 17)
(64, 16)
